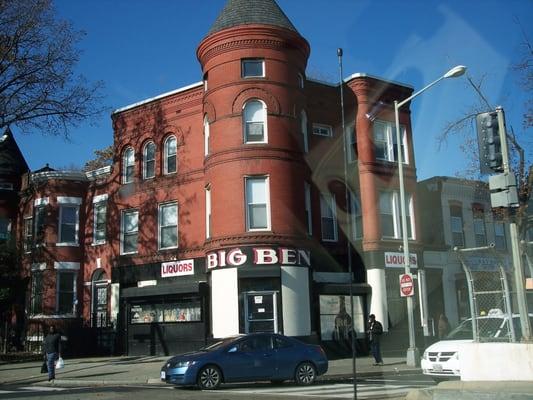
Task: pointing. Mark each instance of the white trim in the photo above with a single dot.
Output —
(100, 198)
(97, 173)
(38, 267)
(122, 232)
(265, 126)
(327, 127)
(101, 241)
(207, 212)
(69, 200)
(67, 265)
(266, 181)
(145, 160)
(251, 59)
(159, 226)
(64, 175)
(140, 103)
(76, 226)
(44, 201)
(365, 75)
(166, 156)
(330, 202)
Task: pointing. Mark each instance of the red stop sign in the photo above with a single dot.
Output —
(406, 285)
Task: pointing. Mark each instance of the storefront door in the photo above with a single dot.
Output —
(260, 310)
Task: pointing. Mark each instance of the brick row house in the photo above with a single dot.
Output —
(226, 209)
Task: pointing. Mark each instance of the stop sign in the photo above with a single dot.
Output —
(406, 285)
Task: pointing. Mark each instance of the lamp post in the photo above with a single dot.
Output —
(412, 351)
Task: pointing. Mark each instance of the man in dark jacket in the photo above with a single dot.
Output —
(375, 330)
(52, 351)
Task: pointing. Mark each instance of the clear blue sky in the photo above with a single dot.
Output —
(143, 48)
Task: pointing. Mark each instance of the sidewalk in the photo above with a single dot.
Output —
(108, 371)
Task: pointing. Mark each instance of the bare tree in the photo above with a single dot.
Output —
(39, 89)
(102, 158)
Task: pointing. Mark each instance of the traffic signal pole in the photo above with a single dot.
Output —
(515, 250)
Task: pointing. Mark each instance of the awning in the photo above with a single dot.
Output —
(161, 290)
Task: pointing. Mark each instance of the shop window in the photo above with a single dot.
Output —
(129, 230)
(168, 226)
(385, 143)
(170, 149)
(253, 68)
(128, 165)
(254, 116)
(257, 204)
(149, 160)
(390, 215)
(456, 223)
(100, 227)
(328, 216)
(336, 319)
(188, 310)
(499, 235)
(36, 301)
(66, 292)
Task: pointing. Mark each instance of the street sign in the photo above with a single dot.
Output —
(406, 285)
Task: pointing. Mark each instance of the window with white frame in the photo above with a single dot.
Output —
(308, 212)
(39, 223)
(322, 130)
(390, 215)
(206, 136)
(301, 81)
(100, 216)
(168, 225)
(357, 216)
(170, 149)
(128, 165)
(351, 144)
(129, 231)
(303, 128)
(28, 233)
(385, 147)
(499, 235)
(328, 216)
(252, 68)
(479, 227)
(456, 224)
(257, 203)
(36, 300)
(208, 212)
(69, 210)
(149, 160)
(66, 292)
(254, 115)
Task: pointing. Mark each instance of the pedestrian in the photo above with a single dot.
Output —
(52, 351)
(443, 326)
(375, 330)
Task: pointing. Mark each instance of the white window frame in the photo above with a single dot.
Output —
(459, 220)
(206, 136)
(479, 227)
(127, 164)
(167, 155)
(328, 200)
(322, 130)
(303, 129)
(71, 202)
(389, 141)
(208, 211)
(244, 61)
(308, 209)
(98, 201)
(396, 214)
(160, 225)
(123, 232)
(301, 80)
(245, 122)
(266, 181)
(74, 293)
(351, 144)
(146, 160)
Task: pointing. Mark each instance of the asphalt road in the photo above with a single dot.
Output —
(382, 387)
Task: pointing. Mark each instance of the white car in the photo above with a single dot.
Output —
(441, 359)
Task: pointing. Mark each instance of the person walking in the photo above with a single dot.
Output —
(443, 326)
(375, 330)
(52, 351)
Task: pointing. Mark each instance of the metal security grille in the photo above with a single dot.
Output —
(489, 295)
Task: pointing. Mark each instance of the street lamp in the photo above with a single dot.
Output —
(412, 351)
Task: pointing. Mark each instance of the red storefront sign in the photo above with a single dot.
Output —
(177, 268)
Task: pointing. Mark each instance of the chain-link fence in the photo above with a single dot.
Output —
(489, 294)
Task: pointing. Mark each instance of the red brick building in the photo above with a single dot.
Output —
(225, 209)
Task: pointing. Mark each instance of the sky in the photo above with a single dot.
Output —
(142, 48)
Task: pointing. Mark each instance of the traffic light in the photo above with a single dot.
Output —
(489, 142)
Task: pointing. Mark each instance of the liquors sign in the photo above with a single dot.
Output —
(177, 268)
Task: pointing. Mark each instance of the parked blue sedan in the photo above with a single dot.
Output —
(245, 358)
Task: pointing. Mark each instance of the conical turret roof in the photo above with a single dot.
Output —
(245, 12)
(11, 159)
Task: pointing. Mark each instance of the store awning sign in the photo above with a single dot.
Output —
(238, 256)
(177, 268)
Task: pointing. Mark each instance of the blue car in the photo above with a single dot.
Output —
(245, 358)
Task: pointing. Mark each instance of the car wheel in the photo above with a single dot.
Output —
(305, 374)
(209, 378)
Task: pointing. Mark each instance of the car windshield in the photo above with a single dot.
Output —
(220, 344)
(489, 328)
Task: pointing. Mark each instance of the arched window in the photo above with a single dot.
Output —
(254, 116)
(170, 155)
(128, 165)
(303, 128)
(149, 160)
(206, 136)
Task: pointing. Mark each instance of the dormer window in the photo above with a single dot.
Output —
(253, 68)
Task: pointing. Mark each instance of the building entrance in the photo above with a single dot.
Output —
(260, 310)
